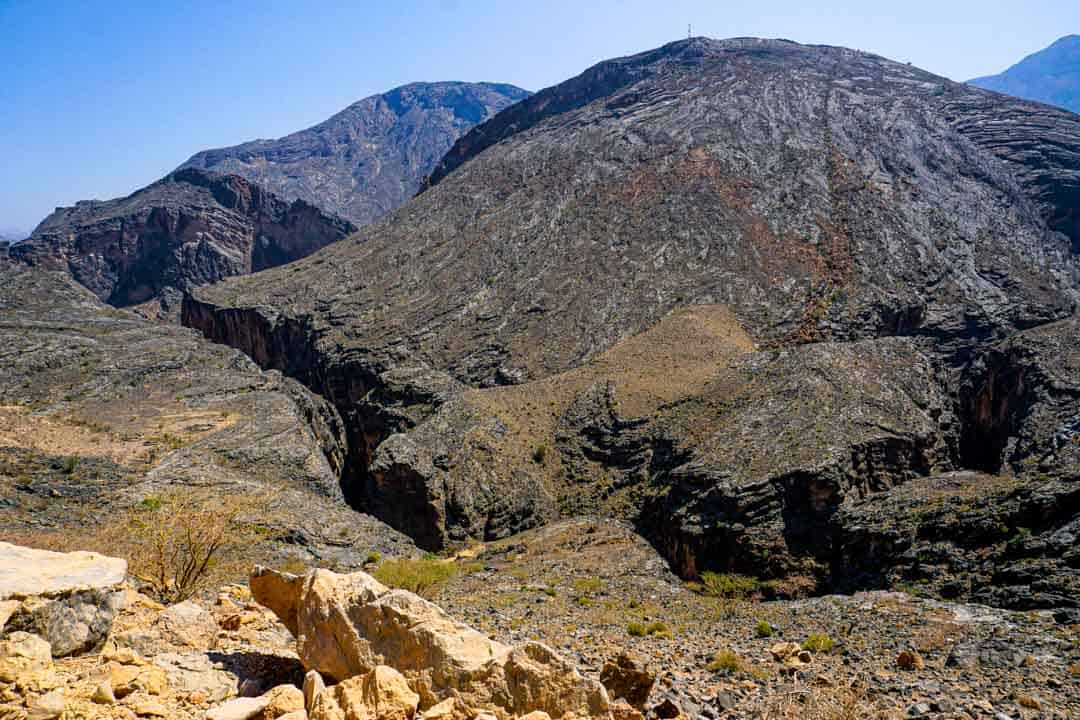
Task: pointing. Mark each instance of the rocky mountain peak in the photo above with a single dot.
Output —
(369, 158)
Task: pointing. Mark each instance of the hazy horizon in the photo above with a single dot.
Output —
(100, 101)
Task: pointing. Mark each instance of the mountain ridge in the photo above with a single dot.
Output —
(1050, 75)
(370, 157)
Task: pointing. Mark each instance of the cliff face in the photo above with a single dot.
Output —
(372, 156)
(722, 289)
(189, 229)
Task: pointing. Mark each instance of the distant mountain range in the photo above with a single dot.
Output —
(372, 156)
(1051, 76)
(12, 235)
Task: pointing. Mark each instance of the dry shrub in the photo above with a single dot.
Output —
(183, 540)
(846, 702)
(177, 542)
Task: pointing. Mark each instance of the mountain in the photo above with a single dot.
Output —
(723, 290)
(190, 228)
(1051, 75)
(372, 156)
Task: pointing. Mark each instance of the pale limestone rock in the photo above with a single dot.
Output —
(27, 572)
(238, 709)
(103, 693)
(380, 694)
(195, 675)
(48, 706)
(346, 625)
(313, 685)
(188, 624)
(282, 700)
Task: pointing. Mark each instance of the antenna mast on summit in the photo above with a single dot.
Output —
(687, 31)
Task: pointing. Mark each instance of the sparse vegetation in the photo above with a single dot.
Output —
(726, 661)
(71, 464)
(729, 585)
(539, 454)
(176, 540)
(373, 558)
(421, 576)
(763, 629)
(637, 629)
(818, 643)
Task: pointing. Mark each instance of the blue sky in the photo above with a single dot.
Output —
(100, 98)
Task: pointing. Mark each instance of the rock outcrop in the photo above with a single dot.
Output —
(371, 157)
(68, 599)
(360, 634)
(718, 289)
(191, 228)
(100, 409)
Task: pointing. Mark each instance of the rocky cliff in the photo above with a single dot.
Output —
(190, 228)
(372, 156)
(721, 289)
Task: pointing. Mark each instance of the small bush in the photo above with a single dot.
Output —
(763, 629)
(818, 643)
(175, 541)
(725, 661)
(654, 628)
(550, 591)
(419, 576)
(539, 454)
(637, 629)
(374, 558)
(729, 585)
(588, 585)
(71, 464)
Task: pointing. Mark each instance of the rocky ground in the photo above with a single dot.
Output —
(593, 591)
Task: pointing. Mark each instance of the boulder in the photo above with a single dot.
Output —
(27, 572)
(282, 700)
(627, 677)
(238, 709)
(313, 685)
(188, 624)
(23, 655)
(70, 599)
(48, 706)
(195, 674)
(380, 694)
(347, 625)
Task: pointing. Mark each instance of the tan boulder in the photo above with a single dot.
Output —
(535, 715)
(22, 655)
(347, 625)
(294, 715)
(622, 710)
(48, 706)
(782, 651)
(188, 624)
(910, 660)
(628, 678)
(449, 709)
(381, 694)
(282, 700)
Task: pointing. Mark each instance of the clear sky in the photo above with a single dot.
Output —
(100, 98)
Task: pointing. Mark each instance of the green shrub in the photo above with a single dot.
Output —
(71, 464)
(539, 454)
(588, 585)
(818, 643)
(419, 576)
(374, 558)
(763, 629)
(550, 591)
(725, 661)
(637, 629)
(728, 585)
